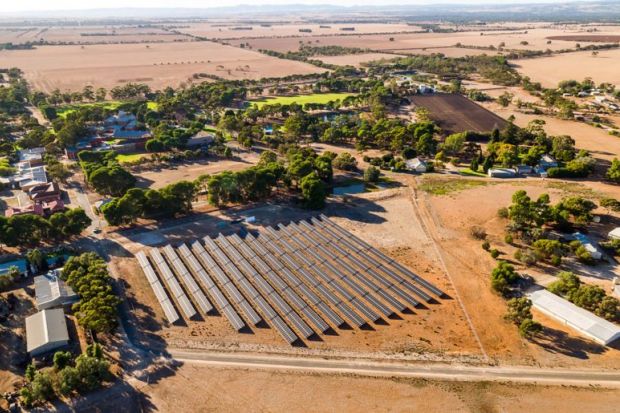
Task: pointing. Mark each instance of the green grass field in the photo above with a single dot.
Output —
(64, 110)
(125, 158)
(302, 99)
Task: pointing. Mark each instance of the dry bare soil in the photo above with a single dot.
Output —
(158, 64)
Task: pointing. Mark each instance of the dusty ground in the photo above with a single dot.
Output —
(195, 387)
(551, 70)
(453, 216)
(158, 65)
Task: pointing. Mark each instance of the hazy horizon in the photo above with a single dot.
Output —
(43, 5)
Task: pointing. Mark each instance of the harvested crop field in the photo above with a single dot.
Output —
(611, 38)
(455, 113)
(89, 34)
(535, 39)
(158, 65)
(603, 67)
(233, 30)
(355, 59)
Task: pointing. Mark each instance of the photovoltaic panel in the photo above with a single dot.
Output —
(173, 284)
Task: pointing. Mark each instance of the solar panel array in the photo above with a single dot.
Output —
(311, 273)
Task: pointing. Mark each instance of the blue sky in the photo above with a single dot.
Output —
(27, 5)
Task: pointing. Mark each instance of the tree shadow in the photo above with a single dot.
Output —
(559, 342)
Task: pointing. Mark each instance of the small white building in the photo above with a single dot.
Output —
(502, 173)
(547, 161)
(46, 331)
(593, 326)
(614, 233)
(417, 165)
(51, 291)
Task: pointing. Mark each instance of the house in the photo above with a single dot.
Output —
(51, 291)
(123, 125)
(502, 173)
(425, 89)
(28, 176)
(33, 156)
(417, 165)
(588, 324)
(524, 170)
(547, 161)
(39, 208)
(44, 192)
(46, 331)
(202, 138)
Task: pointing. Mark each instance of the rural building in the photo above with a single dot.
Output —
(588, 245)
(123, 125)
(51, 291)
(46, 331)
(547, 161)
(200, 139)
(417, 165)
(39, 208)
(502, 173)
(425, 89)
(524, 169)
(45, 192)
(593, 326)
(33, 156)
(614, 233)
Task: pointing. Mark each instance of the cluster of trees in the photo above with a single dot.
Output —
(590, 297)
(520, 313)
(87, 274)
(30, 229)
(503, 278)
(104, 173)
(131, 91)
(67, 377)
(167, 202)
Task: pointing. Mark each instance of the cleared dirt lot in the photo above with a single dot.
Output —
(438, 330)
(158, 65)
(549, 71)
(195, 387)
(455, 113)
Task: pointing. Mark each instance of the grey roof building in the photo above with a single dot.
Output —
(46, 331)
(51, 291)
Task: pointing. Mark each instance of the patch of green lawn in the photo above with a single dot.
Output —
(127, 158)
(64, 110)
(444, 186)
(320, 98)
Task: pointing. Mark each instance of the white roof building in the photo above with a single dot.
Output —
(46, 331)
(593, 326)
(51, 291)
(417, 165)
(614, 233)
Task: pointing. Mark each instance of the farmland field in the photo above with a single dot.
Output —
(158, 65)
(320, 98)
(456, 113)
(88, 34)
(604, 67)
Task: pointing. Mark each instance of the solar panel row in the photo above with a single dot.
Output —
(265, 240)
(166, 305)
(172, 283)
(312, 259)
(274, 276)
(212, 288)
(199, 297)
(384, 257)
(253, 294)
(225, 282)
(285, 309)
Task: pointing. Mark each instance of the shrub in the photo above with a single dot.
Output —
(508, 239)
(519, 309)
(503, 276)
(503, 212)
(486, 245)
(584, 256)
(494, 253)
(371, 174)
(529, 328)
(345, 162)
(478, 233)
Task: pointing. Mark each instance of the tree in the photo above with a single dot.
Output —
(372, 174)
(505, 98)
(519, 309)
(69, 380)
(613, 172)
(42, 387)
(62, 359)
(454, 143)
(345, 162)
(58, 172)
(112, 180)
(503, 276)
(546, 249)
(37, 259)
(92, 371)
(426, 144)
(529, 328)
(154, 145)
(567, 282)
(313, 191)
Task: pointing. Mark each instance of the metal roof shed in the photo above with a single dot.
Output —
(46, 331)
(51, 291)
(585, 322)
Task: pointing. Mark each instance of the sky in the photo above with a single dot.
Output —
(39, 5)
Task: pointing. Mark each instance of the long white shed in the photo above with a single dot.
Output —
(585, 322)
